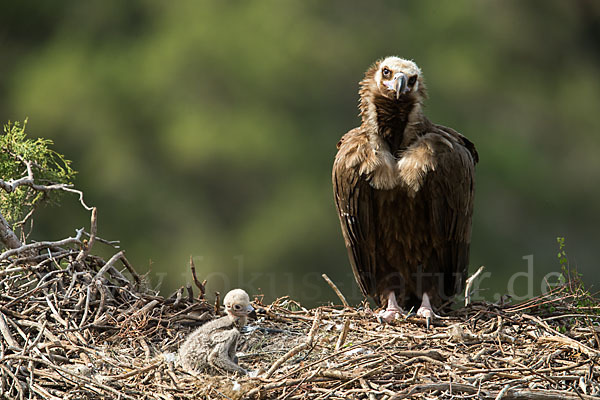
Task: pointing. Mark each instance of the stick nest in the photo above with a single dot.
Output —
(73, 326)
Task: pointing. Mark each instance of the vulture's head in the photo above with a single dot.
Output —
(237, 305)
(392, 80)
(396, 77)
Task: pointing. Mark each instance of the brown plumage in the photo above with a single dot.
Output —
(403, 189)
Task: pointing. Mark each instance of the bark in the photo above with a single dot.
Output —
(7, 236)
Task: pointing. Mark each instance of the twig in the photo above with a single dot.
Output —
(306, 378)
(502, 392)
(343, 334)
(39, 245)
(67, 188)
(147, 308)
(190, 292)
(93, 229)
(113, 243)
(6, 332)
(135, 372)
(217, 303)
(109, 264)
(76, 376)
(16, 382)
(351, 380)
(330, 356)
(201, 286)
(88, 295)
(100, 288)
(469, 283)
(365, 385)
(29, 180)
(429, 387)
(299, 348)
(131, 270)
(336, 290)
(275, 385)
(560, 338)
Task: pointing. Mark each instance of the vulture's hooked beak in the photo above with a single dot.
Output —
(397, 84)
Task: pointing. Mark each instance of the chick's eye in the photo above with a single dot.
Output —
(386, 72)
(412, 80)
(237, 307)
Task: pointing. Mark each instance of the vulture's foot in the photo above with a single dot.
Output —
(392, 312)
(388, 315)
(425, 311)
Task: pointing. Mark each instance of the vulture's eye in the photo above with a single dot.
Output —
(387, 73)
(412, 80)
(237, 307)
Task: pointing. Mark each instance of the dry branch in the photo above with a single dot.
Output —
(299, 348)
(201, 286)
(85, 251)
(8, 238)
(469, 284)
(336, 290)
(41, 245)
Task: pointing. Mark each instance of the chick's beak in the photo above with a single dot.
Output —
(242, 312)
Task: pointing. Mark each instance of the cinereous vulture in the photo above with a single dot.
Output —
(403, 189)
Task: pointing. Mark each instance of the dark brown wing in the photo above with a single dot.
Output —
(353, 200)
(450, 188)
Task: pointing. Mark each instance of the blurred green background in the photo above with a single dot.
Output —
(208, 128)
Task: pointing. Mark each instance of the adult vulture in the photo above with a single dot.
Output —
(403, 189)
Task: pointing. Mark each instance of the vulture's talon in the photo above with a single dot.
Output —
(425, 311)
(389, 315)
(393, 310)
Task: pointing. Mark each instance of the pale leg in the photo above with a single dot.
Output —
(392, 311)
(425, 311)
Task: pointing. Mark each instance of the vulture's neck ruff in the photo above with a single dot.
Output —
(390, 101)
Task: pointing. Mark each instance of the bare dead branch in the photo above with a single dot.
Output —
(40, 245)
(7, 236)
(93, 229)
(469, 284)
(343, 334)
(336, 290)
(199, 285)
(299, 348)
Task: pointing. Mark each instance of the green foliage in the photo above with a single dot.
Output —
(48, 168)
(562, 254)
(562, 259)
(573, 281)
(568, 274)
